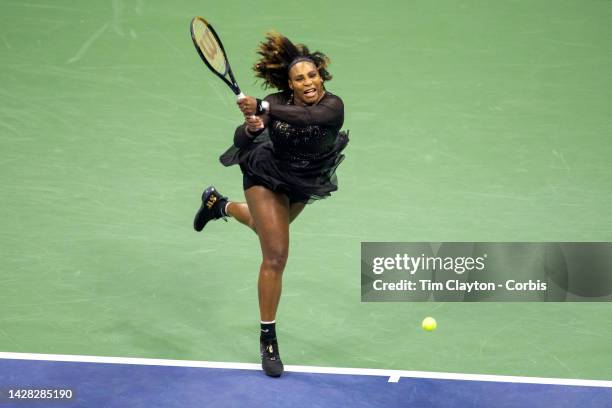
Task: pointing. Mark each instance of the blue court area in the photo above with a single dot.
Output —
(96, 385)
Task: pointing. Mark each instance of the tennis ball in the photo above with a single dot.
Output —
(429, 324)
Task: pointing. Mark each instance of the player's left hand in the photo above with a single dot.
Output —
(247, 105)
(254, 123)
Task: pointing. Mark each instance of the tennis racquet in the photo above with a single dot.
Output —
(210, 48)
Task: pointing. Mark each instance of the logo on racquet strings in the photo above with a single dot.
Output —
(208, 45)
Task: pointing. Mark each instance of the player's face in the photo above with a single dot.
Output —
(306, 83)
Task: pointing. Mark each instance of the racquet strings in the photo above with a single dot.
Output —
(209, 46)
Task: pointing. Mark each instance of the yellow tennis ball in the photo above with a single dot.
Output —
(429, 324)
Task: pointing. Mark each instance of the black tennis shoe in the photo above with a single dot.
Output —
(270, 359)
(212, 208)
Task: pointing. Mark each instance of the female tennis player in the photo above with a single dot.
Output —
(288, 149)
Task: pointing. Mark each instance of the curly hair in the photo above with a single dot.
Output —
(277, 53)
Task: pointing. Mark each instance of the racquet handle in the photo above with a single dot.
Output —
(242, 96)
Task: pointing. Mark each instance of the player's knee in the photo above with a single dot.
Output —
(275, 260)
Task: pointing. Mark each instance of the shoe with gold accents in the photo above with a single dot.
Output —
(212, 208)
(270, 358)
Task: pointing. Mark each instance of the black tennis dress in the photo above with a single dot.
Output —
(298, 152)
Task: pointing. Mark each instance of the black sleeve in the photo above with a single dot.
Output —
(328, 112)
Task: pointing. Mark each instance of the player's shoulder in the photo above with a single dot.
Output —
(278, 97)
(332, 97)
(332, 101)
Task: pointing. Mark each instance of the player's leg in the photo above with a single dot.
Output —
(240, 211)
(271, 213)
(214, 206)
(295, 209)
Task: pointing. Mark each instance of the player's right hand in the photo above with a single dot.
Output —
(247, 105)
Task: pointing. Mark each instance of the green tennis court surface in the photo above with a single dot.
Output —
(470, 121)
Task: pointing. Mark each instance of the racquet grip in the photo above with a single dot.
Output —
(242, 96)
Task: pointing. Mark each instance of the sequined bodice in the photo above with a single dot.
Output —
(293, 142)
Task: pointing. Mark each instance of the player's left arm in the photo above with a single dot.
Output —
(252, 127)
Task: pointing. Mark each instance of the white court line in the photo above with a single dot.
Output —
(394, 375)
(88, 44)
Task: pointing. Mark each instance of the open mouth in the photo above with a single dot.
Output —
(310, 92)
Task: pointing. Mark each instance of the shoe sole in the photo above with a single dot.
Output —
(275, 375)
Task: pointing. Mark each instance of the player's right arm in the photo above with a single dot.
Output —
(328, 112)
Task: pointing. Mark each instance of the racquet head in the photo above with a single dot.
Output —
(210, 48)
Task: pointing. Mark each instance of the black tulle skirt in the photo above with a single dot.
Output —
(313, 179)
